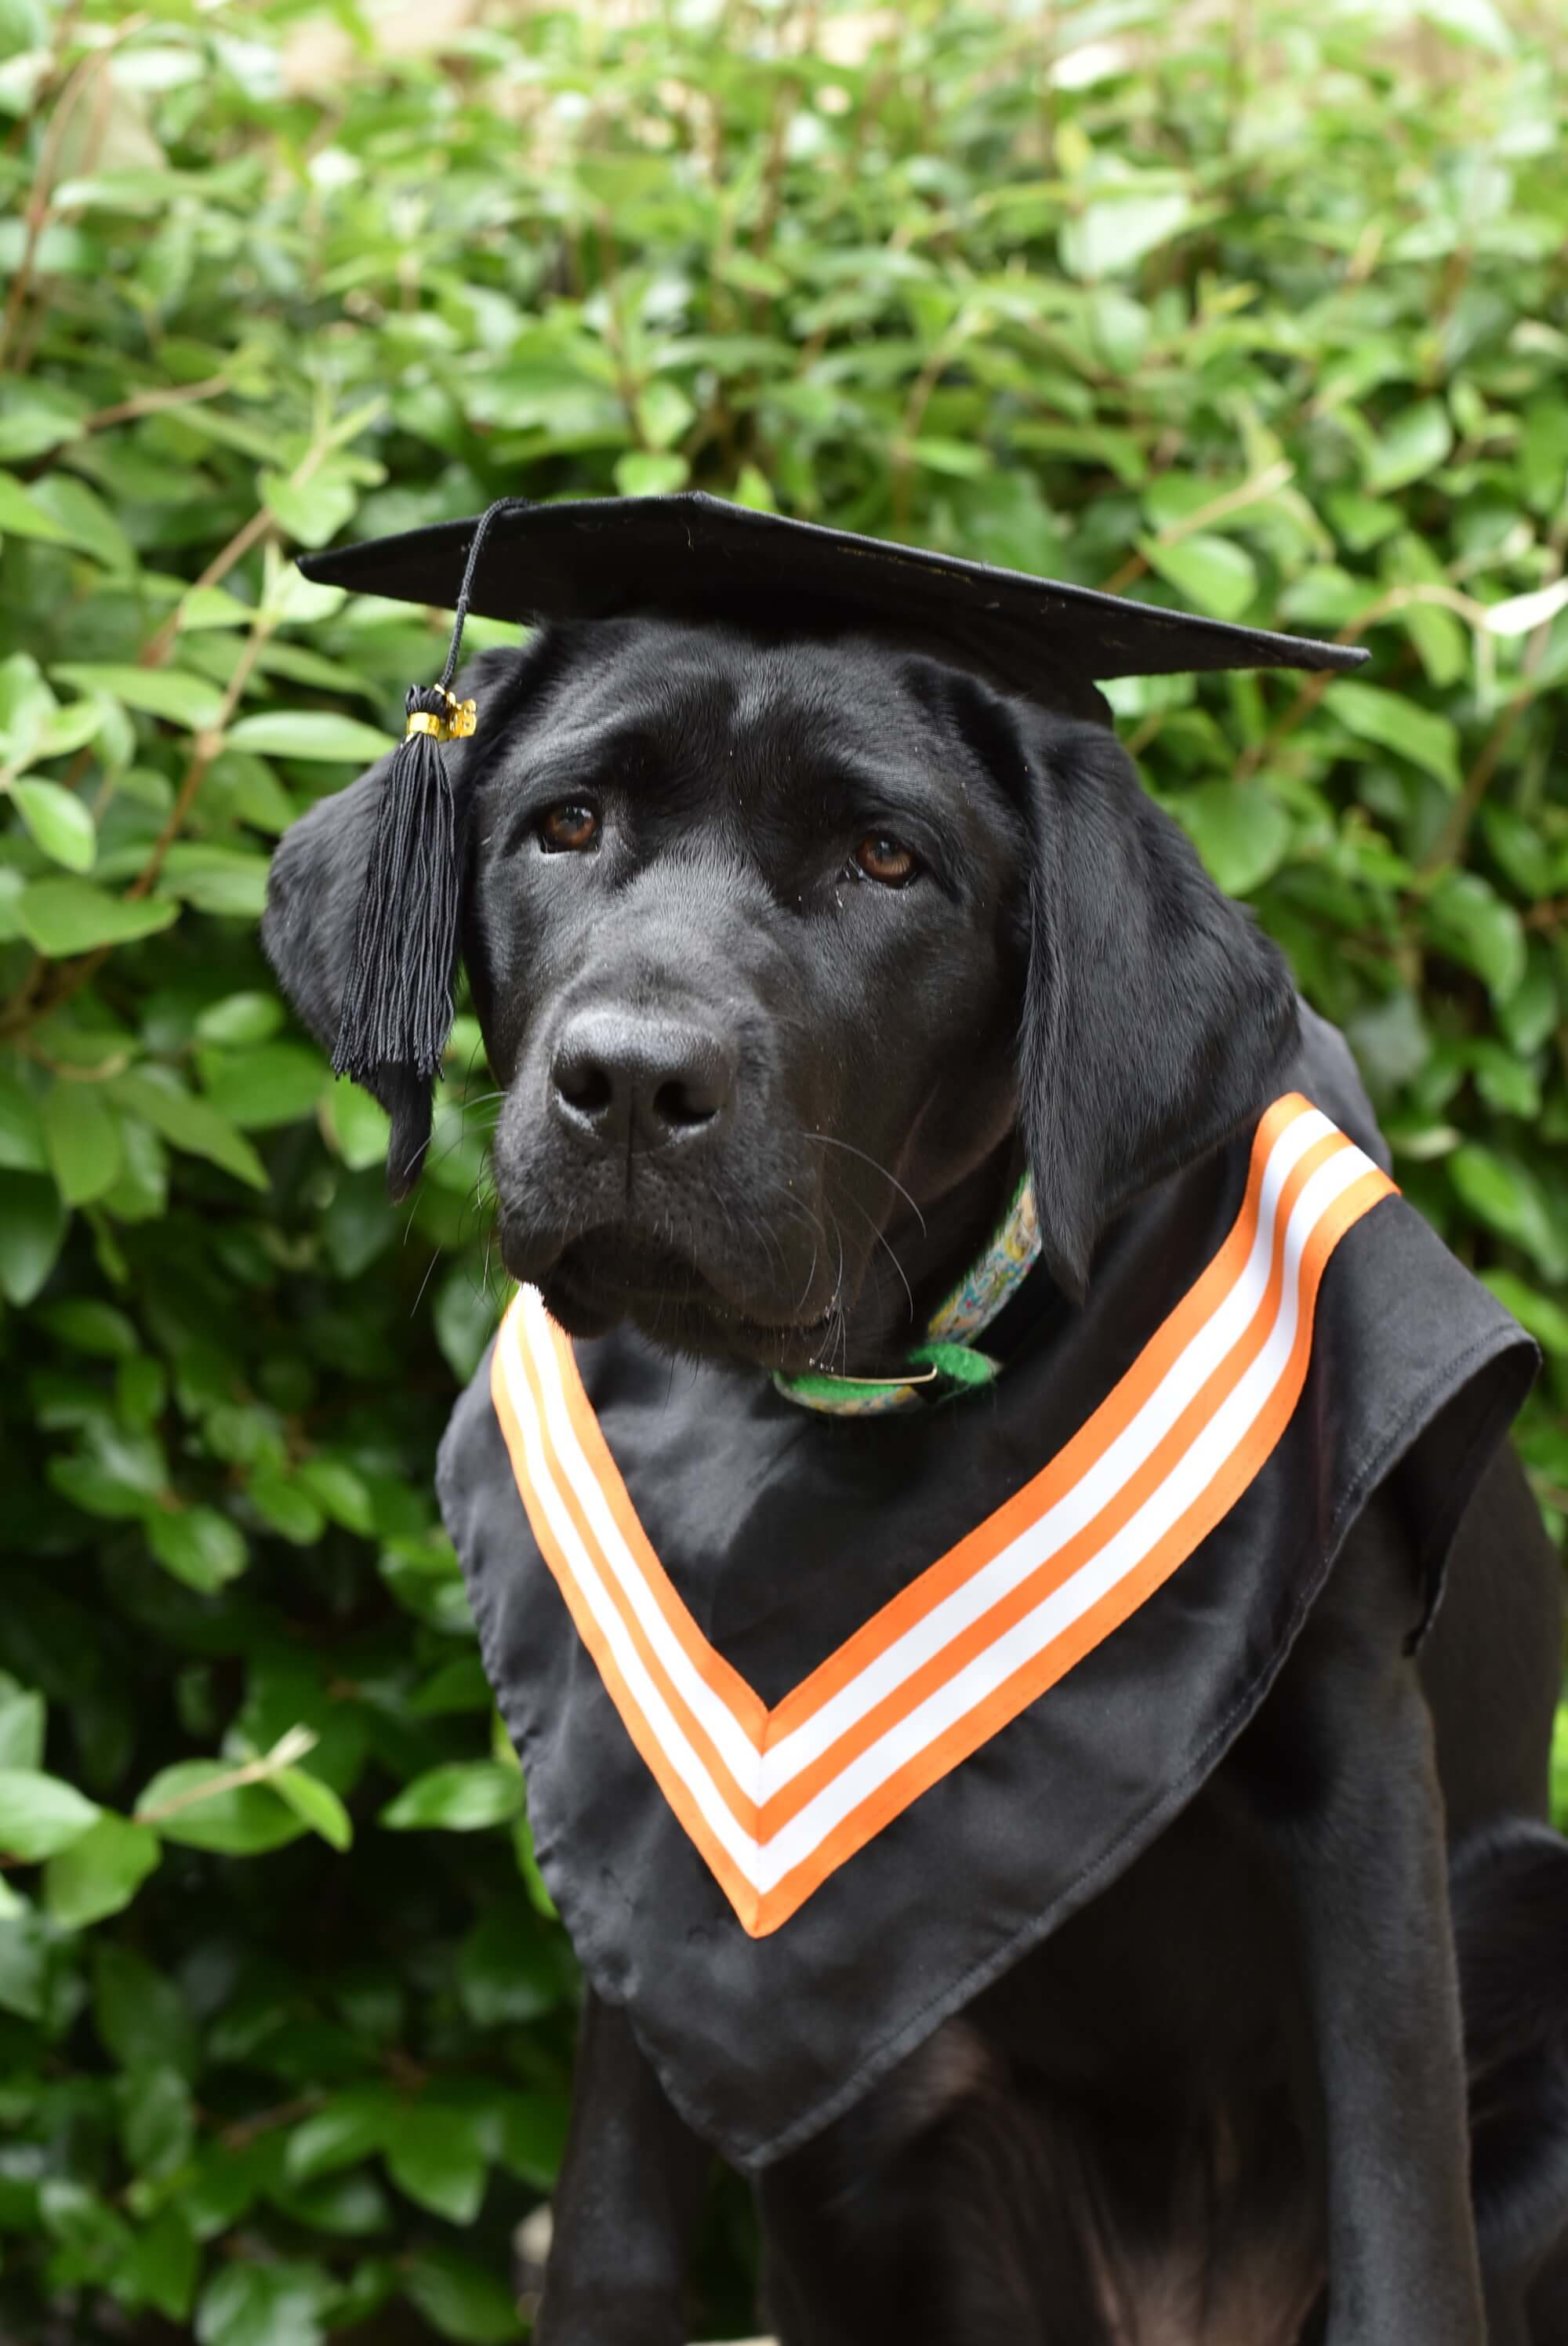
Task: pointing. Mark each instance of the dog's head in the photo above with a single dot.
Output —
(789, 951)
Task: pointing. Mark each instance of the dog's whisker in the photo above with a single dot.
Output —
(886, 1245)
(424, 1283)
(830, 1140)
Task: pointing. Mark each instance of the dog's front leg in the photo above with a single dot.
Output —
(626, 2204)
(1342, 1760)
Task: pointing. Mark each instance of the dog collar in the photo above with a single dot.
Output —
(946, 1357)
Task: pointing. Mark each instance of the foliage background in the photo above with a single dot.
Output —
(1259, 308)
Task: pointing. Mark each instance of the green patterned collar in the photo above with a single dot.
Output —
(946, 1357)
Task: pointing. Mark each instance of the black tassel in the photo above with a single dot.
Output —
(397, 1008)
(397, 1011)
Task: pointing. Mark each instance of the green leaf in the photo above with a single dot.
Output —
(32, 1227)
(21, 515)
(1116, 231)
(276, 1084)
(72, 916)
(465, 1318)
(69, 729)
(170, 693)
(350, 2207)
(317, 1805)
(1506, 1196)
(319, 735)
(1241, 833)
(35, 417)
(1529, 1016)
(1543, 453)
(1426, 739)
(645, 472)
(27, 707)
(358, 1125)
(21, 1128)
(663, 413)
(1545, 1320)
(1519, 849)
(351, 2126)
(960, 459)
(162, 2267)
(533, 2136)
(464, 1796)
(1409, 448)
(141, 2015)
(509, 1971)
(457, 1686)
(86, 520)
(213, 607)
(198, 1545)
(216, 879)
(311, 513)
(286, 1506)
(22, 1721)
(1214, 573)
(263, 2305)
(40, 1814)
(461, 2299)
(1469, 921)
(23, 1965)
(436, 2156)
(59, 822)
(90, 1325)
(1504, 1080)
(101, 1873)
(241, 1019)
(340, 1492)
(122, 1474)
(82, 1138)
(188, 1123)
(157, 2122)
(236, 1820)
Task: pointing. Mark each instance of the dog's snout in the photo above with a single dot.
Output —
(631, 1079)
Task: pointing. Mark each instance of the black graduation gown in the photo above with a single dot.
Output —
(787, 1536)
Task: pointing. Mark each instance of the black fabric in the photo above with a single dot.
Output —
(784, 1531)
(692, 557)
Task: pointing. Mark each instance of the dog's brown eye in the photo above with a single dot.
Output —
(886, 860)
(568, 829)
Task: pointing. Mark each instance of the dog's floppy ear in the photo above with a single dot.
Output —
(313, 898)
(1156, 1015)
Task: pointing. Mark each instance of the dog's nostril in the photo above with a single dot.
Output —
(584, 1085)
(680, 1102)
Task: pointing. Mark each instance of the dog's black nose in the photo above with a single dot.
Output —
(629, 1078)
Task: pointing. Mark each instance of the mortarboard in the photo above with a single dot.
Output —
(695, 557)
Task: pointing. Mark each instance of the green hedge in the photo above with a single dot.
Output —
(1267, 319)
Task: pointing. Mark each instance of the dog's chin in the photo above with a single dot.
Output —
(598, 1281)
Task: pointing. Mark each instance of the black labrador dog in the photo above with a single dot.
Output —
(746, 917)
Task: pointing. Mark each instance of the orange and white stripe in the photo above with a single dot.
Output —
(776, 1800)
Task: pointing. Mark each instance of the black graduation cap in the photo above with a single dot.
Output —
(696, 557)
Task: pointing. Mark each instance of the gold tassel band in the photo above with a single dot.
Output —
(461, 720)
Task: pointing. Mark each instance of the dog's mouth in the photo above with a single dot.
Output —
(607, 1275)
